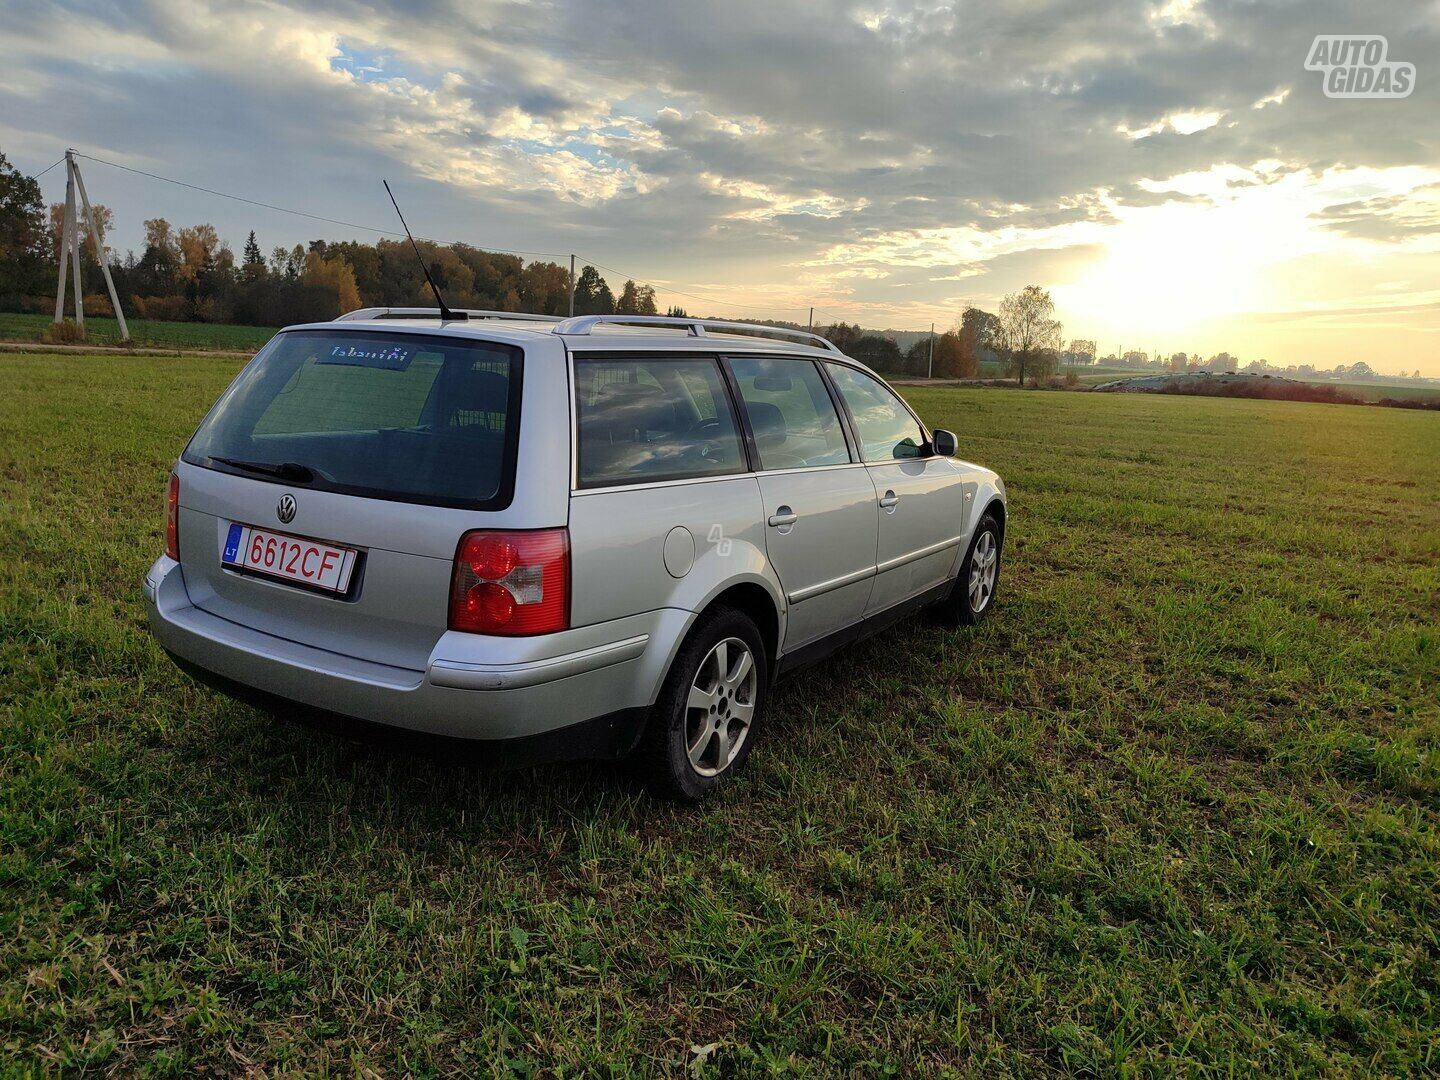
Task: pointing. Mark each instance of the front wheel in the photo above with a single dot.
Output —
(973, 594)
(704, 722)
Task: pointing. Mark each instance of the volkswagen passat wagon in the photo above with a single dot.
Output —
(596, 537)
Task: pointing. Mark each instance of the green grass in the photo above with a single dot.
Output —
(1173, 808)
(145, 333)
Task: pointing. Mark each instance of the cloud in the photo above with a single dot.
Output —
(852, 148)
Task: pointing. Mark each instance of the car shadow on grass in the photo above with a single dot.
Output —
(303, 765)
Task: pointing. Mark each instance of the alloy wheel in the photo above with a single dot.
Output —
(984, 565)
(720, 706)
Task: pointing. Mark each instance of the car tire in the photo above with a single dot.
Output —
(713, 698)
(973, 593)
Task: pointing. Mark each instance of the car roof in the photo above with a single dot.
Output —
(591, 334)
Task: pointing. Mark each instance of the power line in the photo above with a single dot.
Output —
(47, 168)
(296, 213)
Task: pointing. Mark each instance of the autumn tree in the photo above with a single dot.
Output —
(975, 337)
(200, 251)
(104, 222)
(1029, 331)
(334, 276)
(940, 358)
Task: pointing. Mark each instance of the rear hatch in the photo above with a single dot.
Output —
(367, 452)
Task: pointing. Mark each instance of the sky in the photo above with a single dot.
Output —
(1170, 171)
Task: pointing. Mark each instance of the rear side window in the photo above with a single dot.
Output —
(790, 413)
(884, 425)
(642, 420)
(395, 416)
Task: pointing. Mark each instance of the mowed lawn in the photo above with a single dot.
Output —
(1174, 807)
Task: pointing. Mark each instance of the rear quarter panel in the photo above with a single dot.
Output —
(618, 544)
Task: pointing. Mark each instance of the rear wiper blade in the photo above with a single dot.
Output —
(285, 470)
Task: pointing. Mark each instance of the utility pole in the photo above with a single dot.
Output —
(930, 361)
(100, 253)
(70, 250)
(65, 246)
(572, 286)
(812, 320)
(70, 245)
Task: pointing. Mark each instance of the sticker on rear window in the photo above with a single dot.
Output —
(389, 358)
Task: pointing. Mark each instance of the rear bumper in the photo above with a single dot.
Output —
(473, 688)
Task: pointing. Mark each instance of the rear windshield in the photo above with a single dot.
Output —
(391, 416)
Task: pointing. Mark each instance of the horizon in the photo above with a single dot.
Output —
(1172, 173)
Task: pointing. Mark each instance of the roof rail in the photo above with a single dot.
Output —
(430, 312)
(583, 324)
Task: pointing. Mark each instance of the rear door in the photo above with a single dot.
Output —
(383, 444)
(919, 506)
(819, 504)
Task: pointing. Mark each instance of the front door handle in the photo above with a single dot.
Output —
(782, 517)
(890, 500)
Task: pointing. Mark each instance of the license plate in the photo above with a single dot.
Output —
(312, 563)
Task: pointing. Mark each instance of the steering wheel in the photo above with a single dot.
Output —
(701, 436)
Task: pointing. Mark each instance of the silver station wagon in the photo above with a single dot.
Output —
(602, 536)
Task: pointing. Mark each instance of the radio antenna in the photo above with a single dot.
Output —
(446, 315)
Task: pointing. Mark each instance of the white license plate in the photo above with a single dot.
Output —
(289, 558)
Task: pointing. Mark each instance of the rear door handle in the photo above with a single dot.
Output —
(783, 516)
(890, 500)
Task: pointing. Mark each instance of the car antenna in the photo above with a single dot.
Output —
(446, 315)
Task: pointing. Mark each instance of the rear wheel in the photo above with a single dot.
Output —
(704, 723)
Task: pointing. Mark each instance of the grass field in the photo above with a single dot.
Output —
(144, 332)
(1174, 808)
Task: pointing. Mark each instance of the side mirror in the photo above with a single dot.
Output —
(943, 442)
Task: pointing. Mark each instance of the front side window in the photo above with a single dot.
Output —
(389, 415)
(885, 427)
(790, 413)
(643, 420)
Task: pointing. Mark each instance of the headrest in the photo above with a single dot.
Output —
(767, 422)
(481, 391)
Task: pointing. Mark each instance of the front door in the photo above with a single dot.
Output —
(919, 498)
(819, 505)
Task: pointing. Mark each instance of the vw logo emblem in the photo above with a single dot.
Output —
(285, 509)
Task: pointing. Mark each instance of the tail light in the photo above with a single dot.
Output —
(512, 583)
(172, 519)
